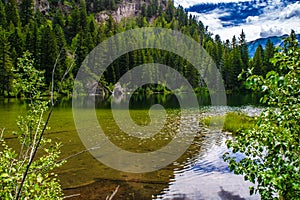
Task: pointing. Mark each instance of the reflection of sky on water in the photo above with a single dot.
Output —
(207, 176)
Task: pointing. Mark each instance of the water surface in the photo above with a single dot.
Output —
(198, 174)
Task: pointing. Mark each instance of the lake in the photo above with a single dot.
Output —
(200, 173)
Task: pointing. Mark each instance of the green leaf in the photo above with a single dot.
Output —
(251, 190)
(4, 175)
(39, 179)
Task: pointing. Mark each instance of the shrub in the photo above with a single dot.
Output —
(272, 146)
(23, 175)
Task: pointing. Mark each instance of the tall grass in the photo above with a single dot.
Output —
(232, 122)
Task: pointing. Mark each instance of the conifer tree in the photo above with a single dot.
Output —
(75, 22)
(83, 17)
(112, 4)
(62, 48)
(12, 13)
(235, 65)
(244, 50)
(32, 38)
(59, 19)
(6, 63)
(26, 11)
(268, 54)
(17, 42)
(219, 50)
(257, 62)
(3, 22)
(48, 52)
(226, 64)
(81, 50)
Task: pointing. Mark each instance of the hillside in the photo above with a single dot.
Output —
(63, 33)
(118, 9)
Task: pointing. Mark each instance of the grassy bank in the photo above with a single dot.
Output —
(231, 122)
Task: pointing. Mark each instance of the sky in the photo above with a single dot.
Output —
(257, 19)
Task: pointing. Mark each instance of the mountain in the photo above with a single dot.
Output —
(276, 40)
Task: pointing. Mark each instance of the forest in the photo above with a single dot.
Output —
(68, 31)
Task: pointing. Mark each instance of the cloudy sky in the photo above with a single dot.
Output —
(258, 18)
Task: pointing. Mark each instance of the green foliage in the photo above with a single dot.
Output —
(71, 28)
(28, 81)
(6, 63)
(40, 184)
(257, 62)
(26, 11)
(24, 168)
(2, 15)
(236, 122)
(12, 13)
(272, 147)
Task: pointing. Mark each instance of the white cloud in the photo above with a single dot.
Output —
(275, 20)
(271, 31)
(252, 19)
(260, 29)
(211, 19)
(290, 11)
(188, 3)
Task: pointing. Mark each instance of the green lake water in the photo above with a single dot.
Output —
(199, 173)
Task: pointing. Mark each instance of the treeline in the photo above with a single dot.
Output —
(232, 57)
(68, 32)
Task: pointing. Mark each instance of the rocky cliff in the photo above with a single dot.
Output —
(125, 9)
(128, 8)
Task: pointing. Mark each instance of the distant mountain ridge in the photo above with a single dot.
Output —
(276, 40)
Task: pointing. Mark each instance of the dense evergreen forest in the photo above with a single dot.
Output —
(68, 31)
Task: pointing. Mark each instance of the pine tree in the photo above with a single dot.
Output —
(62, 48)
(244, 50)
(292, 37)
(257, 62)
(83, 17)
(169, 11)
(59, 18)
(40, 19)
(110, 26)
(17, 42)
(226, 65)
(144, 10)
(269, 53)
(112, 5)
(219, 50)
(49, 52)
(235, 66)
(26, 11)
(12, 13)
(75, 22)
(3, 21)
(32, 39)
(81, 52)
(233, 42)
(6, 63)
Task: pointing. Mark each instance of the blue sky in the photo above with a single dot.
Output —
(258, 19)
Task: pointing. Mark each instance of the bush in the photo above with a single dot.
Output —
(23, 175)
(272, 146)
